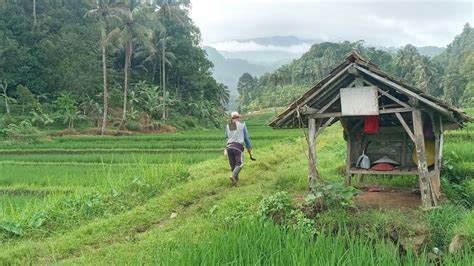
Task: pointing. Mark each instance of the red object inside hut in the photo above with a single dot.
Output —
(371, 124)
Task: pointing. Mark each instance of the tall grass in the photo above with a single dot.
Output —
(256, 243)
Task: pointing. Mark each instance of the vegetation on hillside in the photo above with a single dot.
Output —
(118, 62)
(449, 75)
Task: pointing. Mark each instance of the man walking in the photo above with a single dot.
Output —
(237, 135)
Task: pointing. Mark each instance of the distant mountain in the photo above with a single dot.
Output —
(228, 71)
(275, 50)
(430, 51)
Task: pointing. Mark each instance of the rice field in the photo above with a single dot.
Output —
(101, 200)
(36, 176)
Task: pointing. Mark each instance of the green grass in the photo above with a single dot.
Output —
(92, 206)
(257, 243)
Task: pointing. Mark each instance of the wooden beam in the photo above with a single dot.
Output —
(329, 104)
(373, 172)
(405, 91)
(306, 110)
(393, 98)
(405, 126)
(427, 195)
(326, 115)
(395, 110)
(312, 171)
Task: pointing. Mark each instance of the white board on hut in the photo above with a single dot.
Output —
(359, 101)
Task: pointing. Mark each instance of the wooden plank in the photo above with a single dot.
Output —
(405, 91)
(405, 126)
(428, 198)
(393, 98)
(324, 108)
(326, 115)
(394, 172)
(396, 110)
(403, 155)
(358, 101)
(306, 110)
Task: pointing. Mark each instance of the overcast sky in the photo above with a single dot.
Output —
(387, 23)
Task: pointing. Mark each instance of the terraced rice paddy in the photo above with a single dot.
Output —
(35, 175)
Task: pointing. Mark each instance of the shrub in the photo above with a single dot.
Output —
(133, 126)
(332, 195)
(23, 131)
(276, 207)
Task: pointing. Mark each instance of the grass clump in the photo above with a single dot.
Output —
(252, 242)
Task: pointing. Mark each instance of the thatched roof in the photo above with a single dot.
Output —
(344, 74)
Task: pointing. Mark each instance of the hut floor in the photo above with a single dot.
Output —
(375, 197)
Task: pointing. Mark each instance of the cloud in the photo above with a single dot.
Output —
(390, 23)
(251, 46)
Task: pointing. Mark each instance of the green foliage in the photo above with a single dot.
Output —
(335, 195)
(275, 207)
(26, 99)
(62, 54)
(23, 131)
(442, 222)
(133, 126)
(254, 243)
(67, 109)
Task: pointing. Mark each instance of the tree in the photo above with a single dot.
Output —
(66, 105)
(103, 10)
(34, 13)
(223, 94)
(26, 99)
(7, 99)
(167, 9)
(134, 28)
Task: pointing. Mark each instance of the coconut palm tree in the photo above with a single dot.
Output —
(134, 28)
(166, 10)
(103, 11)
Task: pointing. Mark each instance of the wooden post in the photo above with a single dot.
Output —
(348, 177)
(312, 171)
(435, 177)
(427, 199)
(348, 180)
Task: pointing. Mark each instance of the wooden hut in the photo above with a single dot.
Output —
(403, 118)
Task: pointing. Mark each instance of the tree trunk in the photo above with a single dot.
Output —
(34, 12)
(163, 67)
(128, 55)
(5, 96)
(104, 73)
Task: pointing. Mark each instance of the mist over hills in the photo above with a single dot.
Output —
(257, 56)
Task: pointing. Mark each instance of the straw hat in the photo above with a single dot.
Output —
(234, 115)
(386, 159)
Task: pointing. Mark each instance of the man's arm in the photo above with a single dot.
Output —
(247, 139)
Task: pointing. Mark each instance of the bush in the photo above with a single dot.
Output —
(276, 207)
(133, 126)
(332, 195)
(23, 131)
